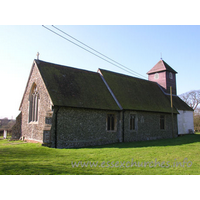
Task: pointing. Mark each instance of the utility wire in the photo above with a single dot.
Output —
(98, 52)
(86, 49)
(90, 51)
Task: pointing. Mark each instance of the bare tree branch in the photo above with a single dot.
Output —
(192, 98)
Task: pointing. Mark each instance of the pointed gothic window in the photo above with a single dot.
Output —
(33, 104)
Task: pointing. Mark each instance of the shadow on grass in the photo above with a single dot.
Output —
(180, 140)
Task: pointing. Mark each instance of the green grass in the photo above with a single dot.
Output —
(17, 157)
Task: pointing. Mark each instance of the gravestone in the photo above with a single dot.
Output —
(5, 134)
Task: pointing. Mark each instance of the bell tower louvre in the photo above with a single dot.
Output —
(164, 75)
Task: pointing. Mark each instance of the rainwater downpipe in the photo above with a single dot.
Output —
(56, 121)
(123, 125)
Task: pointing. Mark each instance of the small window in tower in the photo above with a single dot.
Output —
(170, 75)
(156, 76)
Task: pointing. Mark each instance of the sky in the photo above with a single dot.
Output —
(136, 47)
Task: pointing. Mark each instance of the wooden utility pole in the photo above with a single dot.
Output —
(171, 100)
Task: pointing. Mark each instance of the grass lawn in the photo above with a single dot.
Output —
(150, 157)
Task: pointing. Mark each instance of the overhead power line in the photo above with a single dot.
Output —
(97, 51)
(109, 61)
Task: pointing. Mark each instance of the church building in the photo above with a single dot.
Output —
(65, 107)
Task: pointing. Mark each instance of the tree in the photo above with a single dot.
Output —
(197, 119)
(192, 98)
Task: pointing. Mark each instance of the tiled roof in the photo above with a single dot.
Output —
(161, 66)
(73, 87)
(137, 94)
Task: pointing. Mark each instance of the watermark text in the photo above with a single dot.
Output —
(132, 163)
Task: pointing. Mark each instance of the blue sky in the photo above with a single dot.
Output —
(136, 47)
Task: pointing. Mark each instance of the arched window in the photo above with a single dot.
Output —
(33, 104)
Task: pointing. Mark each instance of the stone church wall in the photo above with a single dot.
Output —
(148, 126)
(34, 131)
(84, 127)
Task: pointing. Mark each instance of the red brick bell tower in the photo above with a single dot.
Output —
(164, 75)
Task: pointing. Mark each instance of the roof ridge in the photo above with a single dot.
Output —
(123, 74)
(61, 65)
